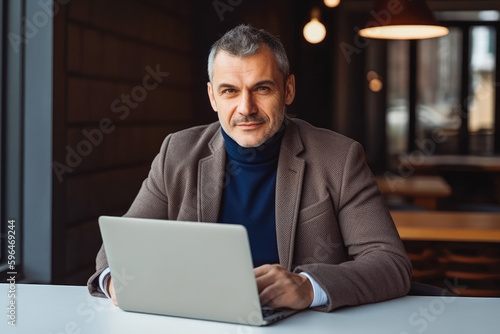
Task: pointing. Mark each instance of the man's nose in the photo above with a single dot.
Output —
(246, 104)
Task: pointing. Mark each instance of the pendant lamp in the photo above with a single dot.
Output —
(331, 3)
(314, 31)
(402, 19)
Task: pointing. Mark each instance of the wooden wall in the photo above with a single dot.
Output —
(111, 113)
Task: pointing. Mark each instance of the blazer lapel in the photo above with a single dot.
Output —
(288, 192)
(211, 180)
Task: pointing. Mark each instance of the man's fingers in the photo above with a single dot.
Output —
(263, 276)
(267, 274)
(280, 288)
(271, 294)
(262, 270)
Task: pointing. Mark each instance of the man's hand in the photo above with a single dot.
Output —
(111, 291)
(280, 288)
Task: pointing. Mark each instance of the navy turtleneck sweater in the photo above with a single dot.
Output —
(249, 196)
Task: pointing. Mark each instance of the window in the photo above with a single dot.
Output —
(438, 91)
(2, 122)
(446, 88)
(397, 96)
(11, 138)
(482, 89)
(26, 140)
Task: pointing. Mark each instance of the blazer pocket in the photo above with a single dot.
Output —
(318, 238)
(323, 207)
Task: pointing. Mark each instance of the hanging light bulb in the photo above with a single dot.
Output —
(405, 19)
(374, 81)
(314, 31)
(331, 3)
(375, 85)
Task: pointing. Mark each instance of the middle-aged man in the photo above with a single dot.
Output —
(320, 233)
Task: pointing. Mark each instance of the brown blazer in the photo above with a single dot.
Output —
(331, 220)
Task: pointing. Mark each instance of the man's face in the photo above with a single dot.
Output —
(249, 95)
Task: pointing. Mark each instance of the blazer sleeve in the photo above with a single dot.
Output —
(150, 202)
(380, 268)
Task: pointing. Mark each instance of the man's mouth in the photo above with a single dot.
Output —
(249, 125)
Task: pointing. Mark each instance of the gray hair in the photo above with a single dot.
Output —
(244, 41)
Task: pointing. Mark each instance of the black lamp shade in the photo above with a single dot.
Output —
(401, 19)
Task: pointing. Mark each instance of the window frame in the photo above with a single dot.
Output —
(463, 134)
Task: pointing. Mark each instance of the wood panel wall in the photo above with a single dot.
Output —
(111, 113)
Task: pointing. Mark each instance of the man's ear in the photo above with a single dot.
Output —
(210, 91)
(290, 89)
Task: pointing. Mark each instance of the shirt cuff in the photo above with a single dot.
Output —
(320, 297)
(103, 281)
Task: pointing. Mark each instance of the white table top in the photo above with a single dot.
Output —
(49, 309)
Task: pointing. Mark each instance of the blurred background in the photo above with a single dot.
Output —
(91, 87)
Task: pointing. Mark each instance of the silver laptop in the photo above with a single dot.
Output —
(184, 269)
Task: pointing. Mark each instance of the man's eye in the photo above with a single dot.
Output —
(228, 91)
(263, 89)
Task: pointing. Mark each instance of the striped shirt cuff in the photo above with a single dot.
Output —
(103, 281)
(320, 297)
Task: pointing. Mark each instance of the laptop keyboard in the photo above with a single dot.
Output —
(268, 311)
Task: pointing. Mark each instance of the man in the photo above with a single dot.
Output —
(320, 232)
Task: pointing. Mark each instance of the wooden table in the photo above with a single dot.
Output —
(460, 169)
(453, 246)
(422, 190)
(448, 226)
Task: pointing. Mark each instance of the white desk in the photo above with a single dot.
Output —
(46, 309)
